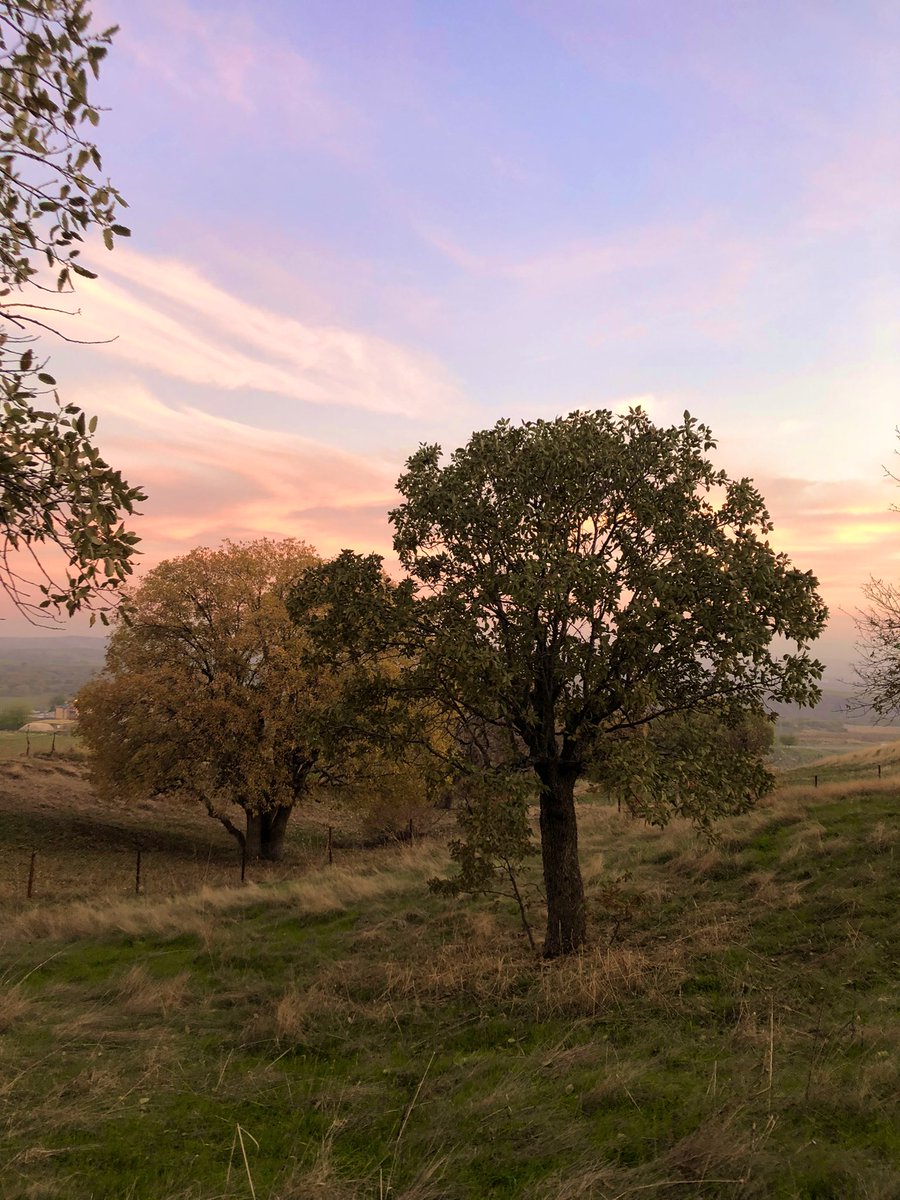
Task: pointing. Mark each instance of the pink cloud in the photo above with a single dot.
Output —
(856, 186)
(631, 280)
(208, 478)
(166, 316)
(842, 531)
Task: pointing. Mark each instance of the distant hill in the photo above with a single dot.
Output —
(45, 668)
(832, 707)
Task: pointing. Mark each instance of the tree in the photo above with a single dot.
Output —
(56, 491)
(205, 694)
(878, 670)
(14, 716)
(878, 629)
(571, 582)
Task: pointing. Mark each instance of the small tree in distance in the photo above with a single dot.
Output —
(878, 630)
(570, 583)
(878, 668)
(15, 715)
(205, 694)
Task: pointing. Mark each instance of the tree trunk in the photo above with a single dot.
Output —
(566, 912)
(253, 835)
(265, 833)
(274, 824)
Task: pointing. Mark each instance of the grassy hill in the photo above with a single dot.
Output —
(340, 1032)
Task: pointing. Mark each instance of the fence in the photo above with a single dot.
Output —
(330, 845)
(842, 770)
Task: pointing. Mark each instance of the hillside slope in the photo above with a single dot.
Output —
(732, 1033)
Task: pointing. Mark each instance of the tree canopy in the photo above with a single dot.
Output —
(57, 494)
(573, 582)
(205, 693)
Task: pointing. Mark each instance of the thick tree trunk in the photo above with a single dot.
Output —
(265, 833)
(274, 825)
(566, 912)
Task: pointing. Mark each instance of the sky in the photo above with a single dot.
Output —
(362, 226)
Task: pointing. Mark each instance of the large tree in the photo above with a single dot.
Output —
(205, 694)
(58, 497)
(572, 582)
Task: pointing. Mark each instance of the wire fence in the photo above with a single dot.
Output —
(329, 848)
(823, 773)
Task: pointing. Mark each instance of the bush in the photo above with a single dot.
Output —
(14, 716)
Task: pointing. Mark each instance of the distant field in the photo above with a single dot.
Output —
(38, 668)
(34, 701)
(800, 744)
(15, 744)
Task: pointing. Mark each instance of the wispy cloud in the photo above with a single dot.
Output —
(842, 531)
(638, 248)
(209, 477)
(220, 57)
(632, 278)
(166, 316)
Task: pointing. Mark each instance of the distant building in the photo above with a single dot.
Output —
(65, 712)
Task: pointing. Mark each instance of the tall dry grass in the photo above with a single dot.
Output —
(321, 891)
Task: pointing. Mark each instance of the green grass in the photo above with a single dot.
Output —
(14, 744)
(732, 1032)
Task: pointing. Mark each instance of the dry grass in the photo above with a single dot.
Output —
(13, 1005)
(325, 890)
(603, 979)
(143, 995)
(884, 755)
(806, 795)
(300, 1011)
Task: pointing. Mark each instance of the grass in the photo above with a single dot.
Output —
(86, 850)
(801, 745)
(732, 1032)
(14, 744)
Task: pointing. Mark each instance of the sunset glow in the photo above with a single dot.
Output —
(362, 227)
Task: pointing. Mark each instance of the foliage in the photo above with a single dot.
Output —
(573, 581)
(699, 765)
(878, 670)
(496, 840)
(57, 490)
(14, 716)
(205, 693)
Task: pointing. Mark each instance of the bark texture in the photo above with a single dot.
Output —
(265, 833)
(566, 911)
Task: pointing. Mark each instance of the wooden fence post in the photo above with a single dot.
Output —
(330, 846)
(31, 874)
(137, 873)
(243, 859)
(815, 781)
